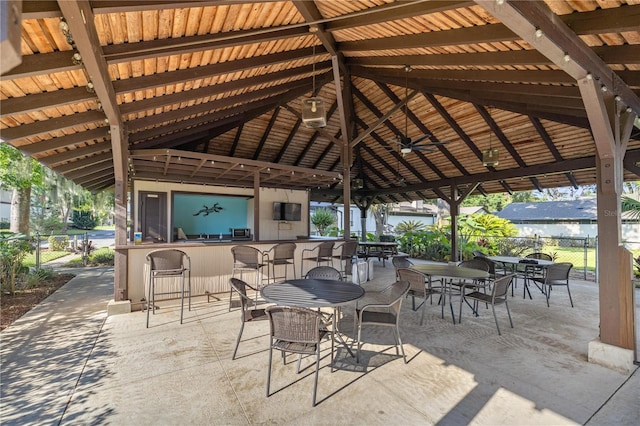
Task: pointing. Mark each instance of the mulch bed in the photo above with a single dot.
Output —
(14, 306)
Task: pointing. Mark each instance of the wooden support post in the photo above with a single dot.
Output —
(611, 127)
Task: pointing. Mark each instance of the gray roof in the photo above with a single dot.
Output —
(551, 210)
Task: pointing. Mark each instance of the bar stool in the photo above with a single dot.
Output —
(348, 251)
(168, 263)
(323, 253)
(247, 258)
(281, 254)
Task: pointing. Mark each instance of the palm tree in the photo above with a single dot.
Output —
(322, 219)
(410, 226)
(632, 206)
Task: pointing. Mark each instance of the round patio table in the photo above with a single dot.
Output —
(314, 293)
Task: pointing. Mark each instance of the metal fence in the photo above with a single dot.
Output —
(48, 248)
(582, 252)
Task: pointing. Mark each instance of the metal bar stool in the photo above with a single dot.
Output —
(168, 263)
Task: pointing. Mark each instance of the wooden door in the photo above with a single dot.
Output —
(152, 217)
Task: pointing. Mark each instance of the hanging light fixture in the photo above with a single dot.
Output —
(490, 157)
(313, 110)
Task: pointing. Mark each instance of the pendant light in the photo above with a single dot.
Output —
(490, 157)
(313, 110)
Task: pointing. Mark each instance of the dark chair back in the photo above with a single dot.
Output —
(477, 263)
(417, 280)
(538, 255)
(247, 256)
(240, 287)
(168, 261)
(283, 251)
(324, 273)
(325, 249)
(558, 273)
(500, 288)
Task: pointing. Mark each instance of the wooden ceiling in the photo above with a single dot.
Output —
(199, 90)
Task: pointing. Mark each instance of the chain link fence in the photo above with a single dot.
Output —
(582, 252)
(52, 247)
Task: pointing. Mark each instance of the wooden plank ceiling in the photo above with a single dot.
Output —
(203, 89)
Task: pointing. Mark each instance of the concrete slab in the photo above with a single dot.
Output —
(68, 362)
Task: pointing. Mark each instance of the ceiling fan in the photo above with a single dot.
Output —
(404, 142)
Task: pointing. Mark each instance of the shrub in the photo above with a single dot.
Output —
(431, 245)
(58, 242)
(13, 249)
(102, 257)
(322, 219)
(83, 220)
(5, 225)
(36, 277)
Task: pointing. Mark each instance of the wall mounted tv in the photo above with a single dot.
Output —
(287, 211)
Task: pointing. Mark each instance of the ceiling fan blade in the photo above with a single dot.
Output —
(421, 138)
(423, 149)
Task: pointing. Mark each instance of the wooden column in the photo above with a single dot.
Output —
(256, 206)
(611, 126)
(454, 201)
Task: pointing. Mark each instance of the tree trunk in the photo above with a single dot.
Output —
(20, 208)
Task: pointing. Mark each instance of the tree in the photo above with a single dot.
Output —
(632, 206)
(322, 219)
(486, 225)
(491, 202)
(410, 226)
(379, 212)
(19, 173)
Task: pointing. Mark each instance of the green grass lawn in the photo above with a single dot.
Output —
(48, 256)
(575, 255)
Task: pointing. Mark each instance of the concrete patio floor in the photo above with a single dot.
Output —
(66, 362)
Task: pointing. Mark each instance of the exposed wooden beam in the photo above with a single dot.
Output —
(66, 141)
(127, 52)
(265, 135)
(85, 162)
(184, 75)
(52, 125)
(71, 155)
(219, 88)
(575, 164)
(42, 63)
(625, 54)
(217, 107)
(535, 23)
(45, 100)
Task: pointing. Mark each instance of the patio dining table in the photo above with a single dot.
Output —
(511, 263)
(315, 293)
(449, 272)
(380, 249)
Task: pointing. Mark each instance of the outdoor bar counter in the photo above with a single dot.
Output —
(211, 265)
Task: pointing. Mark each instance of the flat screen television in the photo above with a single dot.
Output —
(287, 211)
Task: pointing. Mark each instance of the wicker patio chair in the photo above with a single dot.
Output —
(348, 251)
(295, 330)
(322, 253)
(555, 275)
(282, 254)
(419, 286)
(246, 314)
(368, 311)
(499, 295)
